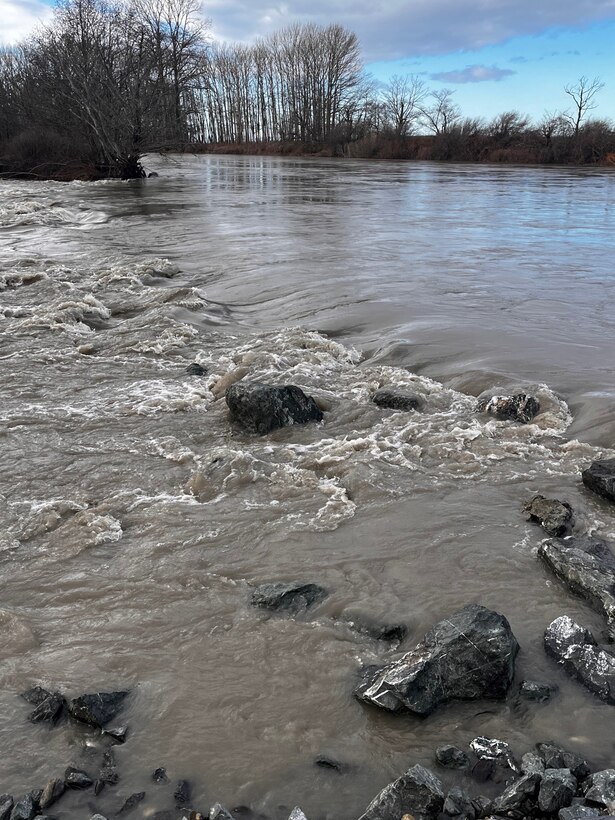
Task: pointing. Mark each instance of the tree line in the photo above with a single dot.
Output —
(106, 82)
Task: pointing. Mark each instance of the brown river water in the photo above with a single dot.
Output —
(134, 518)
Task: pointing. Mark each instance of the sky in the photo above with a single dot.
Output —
(496, 55)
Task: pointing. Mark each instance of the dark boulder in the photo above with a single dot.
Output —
(324, 762)
(160, 775)
(519, 407)
(97, 709)
(531, 763)
(600, 478)
(195, 369)
(292, 598)
(520, 796)
(467, 656)
(458, 804)
(24, 809)
(395, 398)
(555, 517)
(481, 805)
(578, 813)
(555, 757)
(77, 779)
(261, 408)
(131, 803)
(417, 792)
(48, 710)
(117, 733)
(557, 788)
(575, 649)
(452, 758)
(601, 790)
(483, 769)
(491, 749)
(36, 695)
(6, 806)
(587, 567)
(533, 690)
(218, 812)
(52, 792)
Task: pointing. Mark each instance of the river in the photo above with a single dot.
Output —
(135, 518)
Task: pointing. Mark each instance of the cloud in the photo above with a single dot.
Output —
(396, 29)
(473, 74)
(19, 18)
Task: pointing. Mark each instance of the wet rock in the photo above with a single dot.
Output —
(467, 656)
(481, 805)
(77, 779)
(575, 649)
(519, 407)
(452, 758)
(297, 814)
(49, 710)
(483, 770)
(182, 794)
(160, 775)
(534, 690)
(36, 695)
(328, 763)
(109, 774)
(131, 802)
(396, 398)
(458, 804)
(99, 785)
(117, 733)
(218, 812)
(519, 796)
(555, 517)
(261, 408)
(24, 808)
(600, 478)
(6, 806)
(587, 567)
(601, 789)
(555, 757)
(293, 598)
(557, 788)
(532, 763)
(98, 817)
(491, 749)
(195, 369)
(418, 792)
(387, 633)
(52, 792)
(578, 813)
(97, 709)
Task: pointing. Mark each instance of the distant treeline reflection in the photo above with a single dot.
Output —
(103, 84)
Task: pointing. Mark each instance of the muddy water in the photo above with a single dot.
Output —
(135, 518)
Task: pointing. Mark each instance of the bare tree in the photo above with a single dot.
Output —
(442, 113)
(402, 98)
(583, 95)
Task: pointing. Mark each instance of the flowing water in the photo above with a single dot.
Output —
(135, 518)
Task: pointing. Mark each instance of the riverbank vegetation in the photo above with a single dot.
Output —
(104, 83)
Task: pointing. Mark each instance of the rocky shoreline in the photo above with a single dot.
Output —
(469, 655)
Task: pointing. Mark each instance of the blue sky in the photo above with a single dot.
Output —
(497, 55)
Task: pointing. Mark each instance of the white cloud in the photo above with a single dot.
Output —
(473, 74)
(393, 29)
(19, 17)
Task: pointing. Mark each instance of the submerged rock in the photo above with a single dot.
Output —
(195, 369)
(533, 690)
(131, 802)
(467, 656)
(117, 733)
(97, 709)
(325, 762)
(418, 792)
(261, 408)
(557, 788)
(575, 649)
(600, 478)
(48, 710)
(387, 633)
(77, 779)
(396, 398)
(452, 758)
(160, 775)
(554, 516)
(293, 598)
(519, 407)
(36, 695)
(587, 567)
(182, 794)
